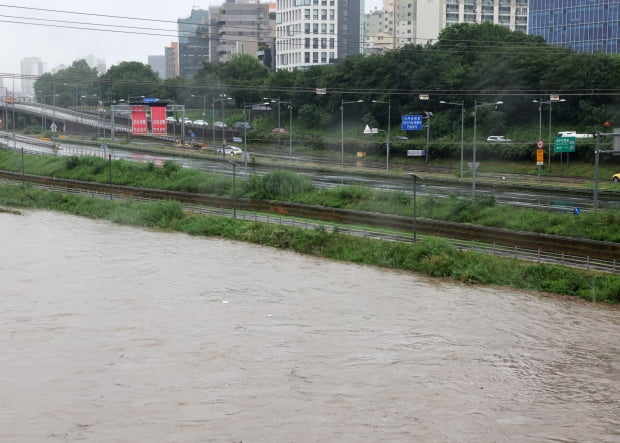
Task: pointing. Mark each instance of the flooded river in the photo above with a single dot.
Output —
(118, 334)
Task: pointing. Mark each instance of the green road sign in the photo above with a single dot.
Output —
(564, 144)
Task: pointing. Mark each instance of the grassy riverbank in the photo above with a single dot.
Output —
(288, 186)
(434, 257)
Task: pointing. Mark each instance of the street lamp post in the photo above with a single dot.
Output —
(245, 133)
(204, 110)
(462, 105)
(550, 103)
(428, 132)
(474, 165)
(290, 116)
(74, 94)
(387, 154)
(342, 103)
(415, 179)
(274, 100)
(222, 99)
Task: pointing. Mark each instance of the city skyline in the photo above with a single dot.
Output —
(114, 32)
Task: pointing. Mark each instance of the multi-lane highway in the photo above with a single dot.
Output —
(506, 189)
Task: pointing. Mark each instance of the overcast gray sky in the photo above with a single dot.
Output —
(45, 29)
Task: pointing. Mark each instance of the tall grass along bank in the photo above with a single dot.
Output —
(434, 257)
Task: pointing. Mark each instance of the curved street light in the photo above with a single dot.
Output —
(474, 165)
(290, 118)
(222, 99)
(462, 105)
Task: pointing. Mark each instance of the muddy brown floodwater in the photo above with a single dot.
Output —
(119, 334)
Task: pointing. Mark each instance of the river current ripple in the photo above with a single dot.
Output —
(119, 334)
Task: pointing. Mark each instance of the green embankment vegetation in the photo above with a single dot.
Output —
(435, 257)
(288, 186)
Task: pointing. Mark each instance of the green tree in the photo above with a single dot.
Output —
(67, 86)
(130, 81)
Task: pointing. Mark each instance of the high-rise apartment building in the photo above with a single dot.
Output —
(31, 68)
(421, 21)
(585, 26)
(193, 42)
(317, 32)
(238, 27)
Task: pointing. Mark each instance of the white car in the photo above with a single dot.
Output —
(200, 123)
(171, 119)
(231, 150)
(497, 139)
(187, 121)
(220, 125)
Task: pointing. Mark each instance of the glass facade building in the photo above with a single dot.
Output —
(583, 25)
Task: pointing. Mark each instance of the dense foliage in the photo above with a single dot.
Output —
(470, 62)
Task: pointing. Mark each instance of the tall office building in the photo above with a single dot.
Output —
(158, 64)
(585, 26)
(171, 53)
(421, 21)
(193, 42)
(238, 27)
(31, 68)
(317, 32)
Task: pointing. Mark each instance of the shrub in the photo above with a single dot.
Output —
(278, 185)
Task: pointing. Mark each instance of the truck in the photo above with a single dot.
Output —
(573, 134)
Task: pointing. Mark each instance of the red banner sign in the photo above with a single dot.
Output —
(138, 120)
(158, 120)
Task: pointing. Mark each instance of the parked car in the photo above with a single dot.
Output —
(200, 123)
(171, 119)
(281, 130)
(230, 150)
(187, 121)
(497, 139)
(220, 125)
(616, 177)
(401, 137)
(243, 125)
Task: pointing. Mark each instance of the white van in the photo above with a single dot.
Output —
(573, 134)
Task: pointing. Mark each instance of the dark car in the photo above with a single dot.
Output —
(243, 125)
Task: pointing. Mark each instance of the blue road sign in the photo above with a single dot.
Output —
(411, 123)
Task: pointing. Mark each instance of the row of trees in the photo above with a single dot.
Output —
(469, 62)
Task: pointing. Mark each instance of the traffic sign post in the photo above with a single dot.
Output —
(564, 144)
(540, 156)
(411, 123)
